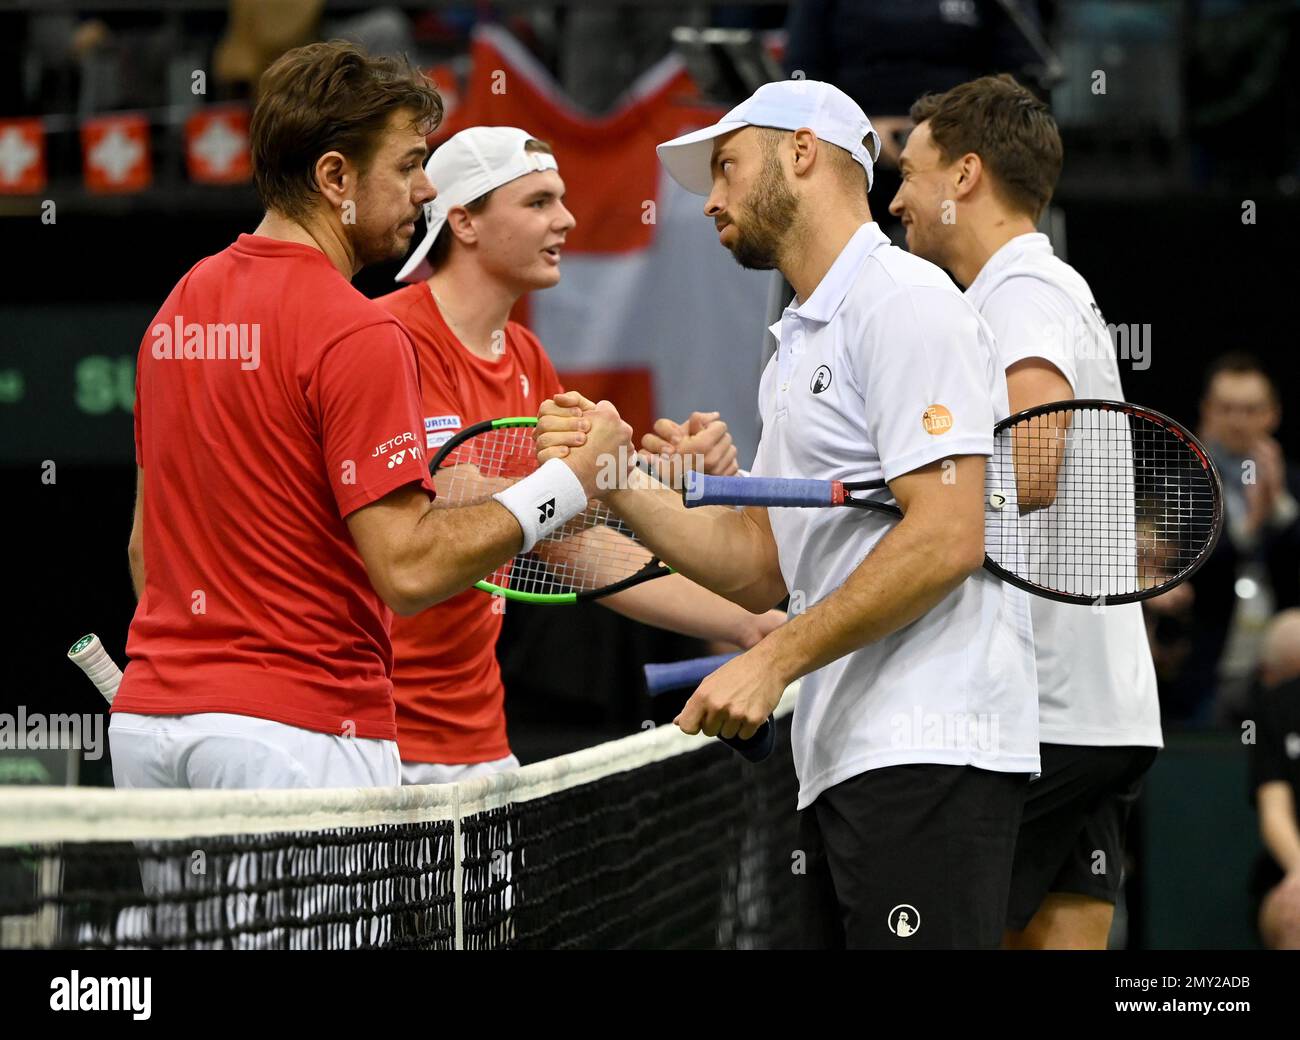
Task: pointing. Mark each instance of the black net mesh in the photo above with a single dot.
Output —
(693, 850)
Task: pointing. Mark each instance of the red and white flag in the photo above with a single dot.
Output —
(216, 146)
(115, 153)
(650, 312)
(22, 156)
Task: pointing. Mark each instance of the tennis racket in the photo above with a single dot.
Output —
(1085, 501)
(593, 555)
(89, 655)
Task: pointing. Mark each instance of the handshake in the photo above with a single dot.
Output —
(596, 444)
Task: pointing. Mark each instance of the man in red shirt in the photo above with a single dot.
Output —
(283, 504)
(494, 233)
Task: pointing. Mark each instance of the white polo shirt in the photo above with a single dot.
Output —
(1096, 679)
(886, 368)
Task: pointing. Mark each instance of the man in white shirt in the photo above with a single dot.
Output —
(915, 730)
(978, 171)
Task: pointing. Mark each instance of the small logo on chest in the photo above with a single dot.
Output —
(821, 379)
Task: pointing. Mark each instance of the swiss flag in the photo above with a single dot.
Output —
(115, 153)
(22, 156)
(216, 146)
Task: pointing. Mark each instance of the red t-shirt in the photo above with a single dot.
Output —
(256, 601)
(446, 680)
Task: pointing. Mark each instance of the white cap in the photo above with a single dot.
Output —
(790, 104)
(467, 165)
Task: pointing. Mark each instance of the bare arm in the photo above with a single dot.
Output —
(730, 552)
(677, 604)
(932, 550)
(1277, 824)
(1039, 447)
(937, 545)
(135, 547)
(417, 554)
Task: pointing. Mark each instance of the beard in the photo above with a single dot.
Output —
(769, 215)
(378, 245)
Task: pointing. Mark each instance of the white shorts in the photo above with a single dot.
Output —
(236, 752)
(434, 773)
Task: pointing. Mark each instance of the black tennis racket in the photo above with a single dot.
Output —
(1085, 501)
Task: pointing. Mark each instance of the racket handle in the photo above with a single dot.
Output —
(89, 654)
(704, 490)
(757, 747)
(677, 675)
(660, 678)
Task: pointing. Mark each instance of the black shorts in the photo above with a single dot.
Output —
(910, 857)
(1072, 832)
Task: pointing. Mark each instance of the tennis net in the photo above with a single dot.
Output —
(657, 840)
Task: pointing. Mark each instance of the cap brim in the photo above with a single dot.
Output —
(416, 268)
(688, 159)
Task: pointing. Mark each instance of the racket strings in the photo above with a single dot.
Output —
(593, 550)
(1097, 502)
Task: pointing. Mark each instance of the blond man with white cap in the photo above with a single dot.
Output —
(916, 726)
(496, 231)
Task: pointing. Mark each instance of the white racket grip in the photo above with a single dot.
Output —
(89, 654)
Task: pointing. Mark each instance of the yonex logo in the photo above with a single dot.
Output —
(821, 379)
(397, 459)
(546, 510)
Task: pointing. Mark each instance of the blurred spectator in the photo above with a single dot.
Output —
(258, 33)
(603, 49)
(887, 53)
(1207, 640)
(1241, 67)
(1275, 782)
(383, 30)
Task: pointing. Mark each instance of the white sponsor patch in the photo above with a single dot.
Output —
(437, 440)
(441, 422)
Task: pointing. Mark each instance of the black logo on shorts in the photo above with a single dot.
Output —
(821, 379)
(547, 510)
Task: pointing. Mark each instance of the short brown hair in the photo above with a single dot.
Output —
(1010, 129)
(328, 97)
(441, 248)
(1239, 363)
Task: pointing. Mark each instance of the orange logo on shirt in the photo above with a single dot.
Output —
(936, 419)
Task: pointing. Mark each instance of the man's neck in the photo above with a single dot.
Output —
(475, 307)
(314, 233)
(813, 248)
(983, 238)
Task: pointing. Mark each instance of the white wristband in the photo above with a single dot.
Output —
(544, 501)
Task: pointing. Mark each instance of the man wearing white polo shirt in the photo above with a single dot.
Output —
(916, 728)
(989, 152)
